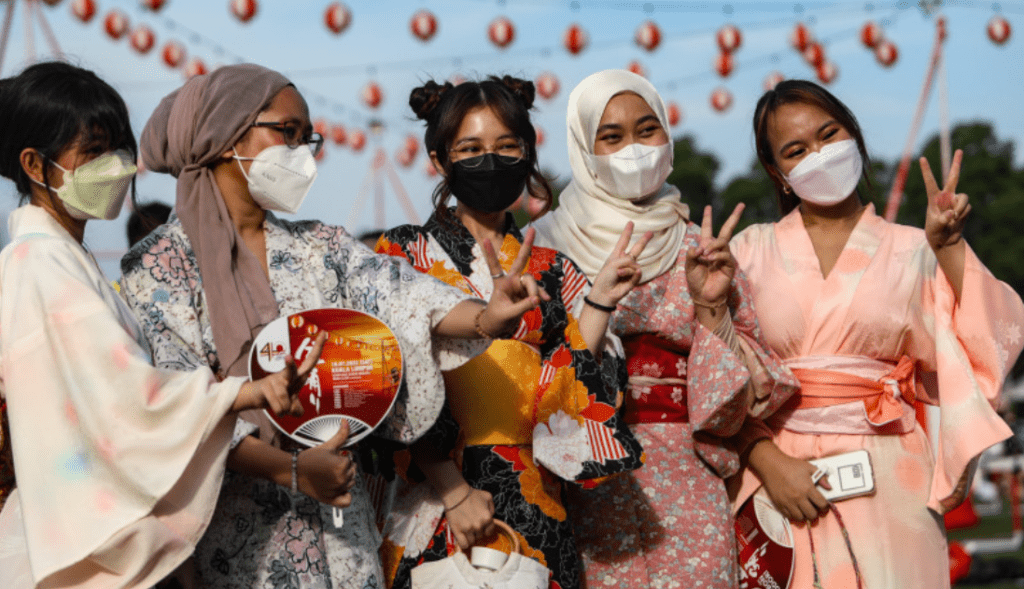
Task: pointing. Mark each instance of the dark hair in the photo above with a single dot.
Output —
(444, 107)
(48, 106)
(801, 91)
(145, 218)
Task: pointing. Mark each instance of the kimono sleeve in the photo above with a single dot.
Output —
(100, 435)
(976, 341)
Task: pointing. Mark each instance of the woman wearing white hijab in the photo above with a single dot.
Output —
(700, 374)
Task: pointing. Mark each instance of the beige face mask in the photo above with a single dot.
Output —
(633, 172)
(96, 189)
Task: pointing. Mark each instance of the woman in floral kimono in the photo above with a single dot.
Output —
(118, 463)
(536, 410)
(871, 317)
(240, 142)
(696, 360)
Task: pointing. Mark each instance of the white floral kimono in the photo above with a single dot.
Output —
(262, 535)
(118, 463)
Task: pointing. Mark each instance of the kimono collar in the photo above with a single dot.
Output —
(28, 219)
(458, 242)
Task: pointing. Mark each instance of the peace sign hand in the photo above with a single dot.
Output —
(947, 210)
(620, 272)
(711, 266)
(514, 293)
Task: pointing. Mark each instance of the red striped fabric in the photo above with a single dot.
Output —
(603, 444)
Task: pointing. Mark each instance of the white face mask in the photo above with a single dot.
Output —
(97, 188)
(280, 177)
(828, 176)
(633, 172)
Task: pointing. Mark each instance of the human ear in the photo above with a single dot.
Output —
(437, 163)
(32, 164)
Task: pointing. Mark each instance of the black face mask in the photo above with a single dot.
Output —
(492, 184)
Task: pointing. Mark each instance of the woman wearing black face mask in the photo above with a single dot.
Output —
(545, 393)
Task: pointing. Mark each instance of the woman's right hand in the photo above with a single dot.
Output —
(279, 391)
(788, 482)
(326, 472)
(471, 517)
(515, 292)
(620, 272)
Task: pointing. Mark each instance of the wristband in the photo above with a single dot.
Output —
(295, 470)
(605, 308)
(711, 306)
(460, 501)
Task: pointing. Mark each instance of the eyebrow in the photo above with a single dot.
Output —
(820, 129)
(469, 139)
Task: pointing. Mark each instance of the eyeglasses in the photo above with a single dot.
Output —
(293, 135)
(469, 152)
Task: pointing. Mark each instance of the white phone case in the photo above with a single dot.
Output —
(849, 474)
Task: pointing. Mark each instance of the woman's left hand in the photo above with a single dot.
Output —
(514, 292)
(947, 210)
(620, 272)
(711, 266)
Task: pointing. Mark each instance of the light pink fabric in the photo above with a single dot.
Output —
(886, 297)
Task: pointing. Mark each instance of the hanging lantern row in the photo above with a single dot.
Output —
(116, 24)
(340, 136)
(337, 17)
(813, 53)
(372, 95)
(423, 25)
(723, 64)
(547, 85)
(998, 30)
(873, 38)
(729, 40)
(540, 135)
(575, 40)
(195, 67)
(501, 32)
(406, 154)
(83, 10)
(142, 39)
(244, 10)
(648, 35)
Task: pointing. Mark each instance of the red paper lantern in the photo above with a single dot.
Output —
(886, 53)
(637, 68)
(357, 140)
(871, 34)
(729, 38)
(674, 114)
(826, 72)
(116, 24)
(648, 35)
(338, 135)
(998, 30)
(337, 17)
(721, 99)
(142, 39)
(404, 158)
(723, 64)
(173, 54)
(801, 37)
(244, 10)
(84, 10)
(576, 39)
(772, 80)
(195, 67)
(814, 54)
(153, 5)
(411, 145)
(429, 169)
(423, 25)
(320, 156)
(372, 95)
(540, 135)
(547, 85)
(320, 126)
(501, 32)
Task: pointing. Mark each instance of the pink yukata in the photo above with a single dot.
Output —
(118, 463)
(668, 524)
(885, 321)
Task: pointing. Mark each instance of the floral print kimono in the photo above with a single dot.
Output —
(692, 403)
(262, 535)
(882, 330)
(529, 397)
(118, 463)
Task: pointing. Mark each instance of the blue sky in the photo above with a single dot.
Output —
(985, 81)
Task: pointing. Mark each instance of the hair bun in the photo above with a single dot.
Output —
(524, 90)
(424, 100)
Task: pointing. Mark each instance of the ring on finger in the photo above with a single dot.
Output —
(522, 279)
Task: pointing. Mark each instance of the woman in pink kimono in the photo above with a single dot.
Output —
(696, 361)
(870, 316)
(118, 464)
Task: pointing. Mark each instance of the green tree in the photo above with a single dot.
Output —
(693, 173)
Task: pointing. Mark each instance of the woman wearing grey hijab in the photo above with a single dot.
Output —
(240, 142)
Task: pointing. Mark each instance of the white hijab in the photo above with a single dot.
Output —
(589, 219)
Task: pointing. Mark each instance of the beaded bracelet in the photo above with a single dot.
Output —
(295, 470)
(476, 325)
(597, 306)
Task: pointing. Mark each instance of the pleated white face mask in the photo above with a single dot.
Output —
(828, 176)
(633, 172)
